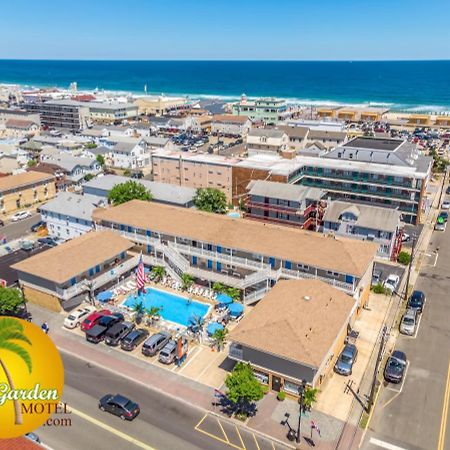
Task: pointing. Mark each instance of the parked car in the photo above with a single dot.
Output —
(36, 226)
(110, 320)
(447, 190)
(395, 367)
(20, 216)
(96, 334)
(440, 225)
(120, 406)
(346, 360)
(416, 301)
(133, 339)
(117, 332)
(33, 437)
(409, 322)
(376, 277)
(75, 318)
(391, 282)
(50, 242)
(155, 343)
(406, 237)
(93, 318)
(445, 204)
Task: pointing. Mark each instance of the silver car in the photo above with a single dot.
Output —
(409, 322)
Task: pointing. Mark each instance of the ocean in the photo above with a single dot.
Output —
(421, 86)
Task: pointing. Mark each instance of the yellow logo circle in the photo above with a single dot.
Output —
(31, 377)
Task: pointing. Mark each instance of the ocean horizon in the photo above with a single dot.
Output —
(412, 86)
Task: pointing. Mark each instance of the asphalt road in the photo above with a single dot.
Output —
(15, 230)
(164, 423)
(412, 415)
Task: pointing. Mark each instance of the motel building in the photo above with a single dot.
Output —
(65, 276)
(249, 255)
(295, 334)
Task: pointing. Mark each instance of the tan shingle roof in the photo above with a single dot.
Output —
(230, 118)
(286, 324)
(343, 255)
(23, 180)
(61, 263)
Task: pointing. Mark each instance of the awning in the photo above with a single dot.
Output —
(213, 327)
(236, 309)
(225, 299)
(104, 296)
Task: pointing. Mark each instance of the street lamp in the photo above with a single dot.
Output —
(301, 392)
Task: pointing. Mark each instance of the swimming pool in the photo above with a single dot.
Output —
(174, 308)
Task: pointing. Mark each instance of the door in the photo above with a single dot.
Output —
(276, 383)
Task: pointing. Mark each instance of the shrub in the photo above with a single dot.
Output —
(265, 389)
(404, 258)
(378, 289)
(281, 396)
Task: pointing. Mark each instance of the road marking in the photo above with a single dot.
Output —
(399, 391)
(443, 429)
(384, 444)
(223, 431)
(112, 430)
(256, 443)
(240, 437)
(191, 358)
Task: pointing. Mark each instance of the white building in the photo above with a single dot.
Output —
(230, 124)
(267, 140)
(128, 153)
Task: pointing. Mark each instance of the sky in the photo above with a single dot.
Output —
(225, 29)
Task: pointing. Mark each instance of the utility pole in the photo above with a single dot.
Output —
(377, 364)
(409, 267)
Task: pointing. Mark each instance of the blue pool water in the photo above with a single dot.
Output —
(173, 307)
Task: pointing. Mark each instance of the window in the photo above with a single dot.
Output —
(261, 376)
(331, 273)
(290, 387)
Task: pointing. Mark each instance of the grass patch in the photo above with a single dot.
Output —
(364, 420)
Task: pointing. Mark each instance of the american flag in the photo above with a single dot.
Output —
(314, 426)
(140, 275)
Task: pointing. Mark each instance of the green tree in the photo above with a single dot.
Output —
(127, 173)
(101, 160)
(152, 312)
(309, 397)
(31, 162)
(139, 309)
(12, 330)
(210, 200)
(379, 289)
(91, 145)
(234, 293)
(130, 190)
(218, 288)
(243, 388)
(89, 177)
(10, 299)
(158, 272)
(186, 281)
(220, 337)
(404, 258)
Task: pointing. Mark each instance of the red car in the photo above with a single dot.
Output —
(93, 318)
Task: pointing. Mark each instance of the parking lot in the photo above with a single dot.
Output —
(388, 269)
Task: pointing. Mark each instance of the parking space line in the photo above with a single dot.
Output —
(240, 438)
(256, 442)
(201, 421)
(399, 391)
(190, 359)
(384, 444)
(223, 431)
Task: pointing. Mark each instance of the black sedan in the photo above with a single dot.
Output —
(47, 241)
(395, 367)
(120, 406)
(416, 301)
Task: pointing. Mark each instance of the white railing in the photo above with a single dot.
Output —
(254, 278)
(222, 257)
(255, 296)
(181, 262)
(289, 273)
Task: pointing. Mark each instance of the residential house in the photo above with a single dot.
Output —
(20, 128)
(372, 223)
(24, 190)
(128, 153)
(297, 136)
(268, 141)
(295, 334)
(230, 125)
(329, 139)
(69, 215)
(245, 254)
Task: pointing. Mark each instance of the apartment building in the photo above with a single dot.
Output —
(24, 190)
(266, 110)
(194, 170)
(112, 112)
(372, 223)
(66, 275)
(284, 204)
(245, 254)
(352, 114)
(67, 114)
(230, 125)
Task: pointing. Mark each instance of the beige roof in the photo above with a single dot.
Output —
(230, 118)
(295, 132)
(60, 264)
(287, 324)
(22, 124)
(343, 255)
(23, 180)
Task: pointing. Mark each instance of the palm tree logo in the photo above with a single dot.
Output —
(12, 330)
